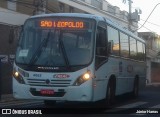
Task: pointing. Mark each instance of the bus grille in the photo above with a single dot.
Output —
(49, 83)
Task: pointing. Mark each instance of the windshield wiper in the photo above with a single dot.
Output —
(39, 50)
(64, 51)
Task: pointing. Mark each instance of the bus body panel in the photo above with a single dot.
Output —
(124, 70)
(71, 93)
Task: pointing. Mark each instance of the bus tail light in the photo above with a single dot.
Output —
(18, 76)
(83, 78)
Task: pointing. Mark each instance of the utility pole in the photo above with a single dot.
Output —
(130, 12)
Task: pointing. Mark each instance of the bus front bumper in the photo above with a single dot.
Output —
(70, 93)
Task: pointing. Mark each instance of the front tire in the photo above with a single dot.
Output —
(110, 95)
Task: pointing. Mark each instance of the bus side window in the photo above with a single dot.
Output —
(113, 38)
(101, 42)
(101, 46)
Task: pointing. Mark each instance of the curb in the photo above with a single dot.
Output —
(153, 84)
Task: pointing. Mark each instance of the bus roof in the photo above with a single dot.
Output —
(80, 15)
(92, 16)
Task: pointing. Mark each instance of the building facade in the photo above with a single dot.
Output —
(98, 7)
(153, 55)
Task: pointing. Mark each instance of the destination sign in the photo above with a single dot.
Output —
(61, 24)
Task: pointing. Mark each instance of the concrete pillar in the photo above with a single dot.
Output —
(11, 5)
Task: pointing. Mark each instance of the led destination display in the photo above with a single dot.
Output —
(61, 24)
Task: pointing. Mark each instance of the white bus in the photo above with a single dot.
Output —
(77, 57)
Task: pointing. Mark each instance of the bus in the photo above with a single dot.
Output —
(77, 57)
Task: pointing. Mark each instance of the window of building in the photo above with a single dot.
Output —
(124, 45)
(133, 48)
(61, 7)
(11, 5)
(113, 37)
(71, 9)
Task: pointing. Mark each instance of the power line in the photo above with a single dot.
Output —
(147, 17)
(151, 23)
(146, 28)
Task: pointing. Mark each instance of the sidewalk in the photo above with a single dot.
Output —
(152, 84)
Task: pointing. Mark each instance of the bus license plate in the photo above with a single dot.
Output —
(47, 91)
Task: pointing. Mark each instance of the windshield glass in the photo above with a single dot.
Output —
(56, 42)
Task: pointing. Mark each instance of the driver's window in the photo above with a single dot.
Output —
(101, 45)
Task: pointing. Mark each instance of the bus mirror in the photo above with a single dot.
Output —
(110, 46)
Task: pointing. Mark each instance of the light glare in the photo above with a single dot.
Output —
(16, 74)
(86, 76)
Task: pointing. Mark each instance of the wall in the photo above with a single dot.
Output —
(155, 72)
(6, 51)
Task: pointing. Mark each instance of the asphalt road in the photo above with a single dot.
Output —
(147, 103)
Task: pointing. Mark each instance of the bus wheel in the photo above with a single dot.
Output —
(110, 95)
(135, 88)
(49, 102)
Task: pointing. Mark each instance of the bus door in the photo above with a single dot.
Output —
(100, 61)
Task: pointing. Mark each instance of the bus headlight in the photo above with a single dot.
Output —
(83, 78)
(18, 76)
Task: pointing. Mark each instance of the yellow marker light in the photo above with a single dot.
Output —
(86, 76)
(16, 74)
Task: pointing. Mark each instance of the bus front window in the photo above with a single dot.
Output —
(56, 44)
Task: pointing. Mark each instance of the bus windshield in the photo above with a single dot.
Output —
(56, 42)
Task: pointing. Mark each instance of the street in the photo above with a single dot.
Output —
(147, 104)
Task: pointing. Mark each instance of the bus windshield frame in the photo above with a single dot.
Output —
(67, 44)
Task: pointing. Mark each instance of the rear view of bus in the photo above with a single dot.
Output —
(54, 59)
